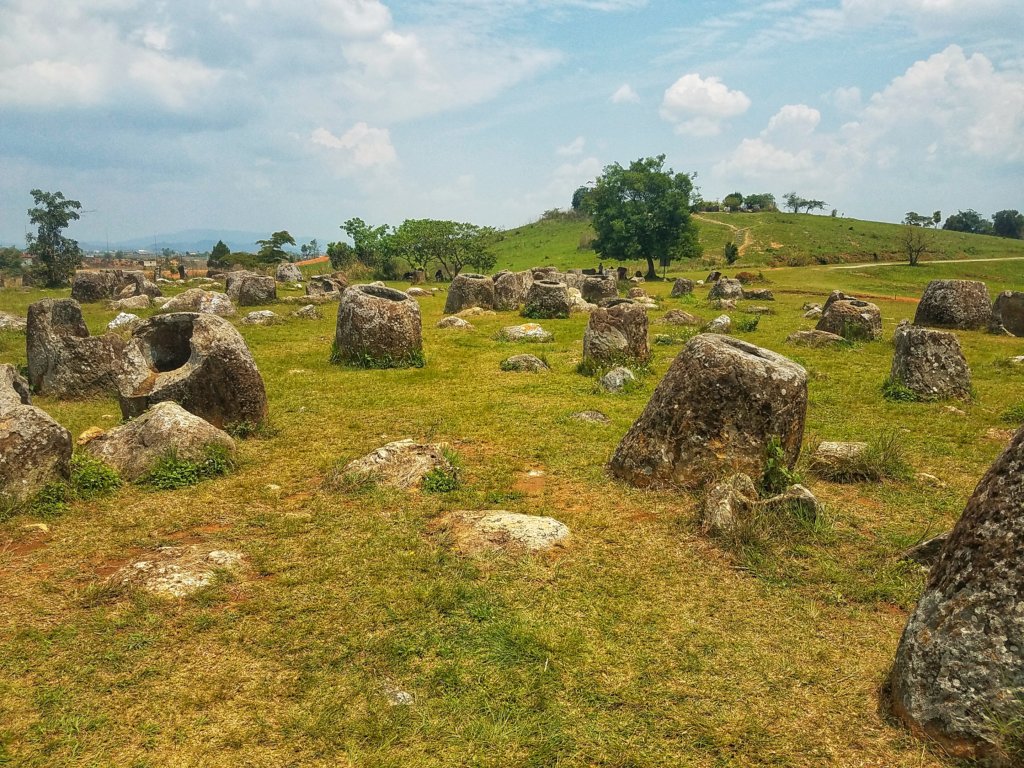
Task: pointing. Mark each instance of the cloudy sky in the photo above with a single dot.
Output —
(267, 114)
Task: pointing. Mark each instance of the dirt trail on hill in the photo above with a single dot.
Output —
(740, 233)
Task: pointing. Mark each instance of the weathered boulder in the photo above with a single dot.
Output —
(511, 289)
(524, 332)
(616, 380)
(524, 363)
(469, 290)
(636, 293)
(547, 299)
(1008, 311)
(198, 361)
(815, 339)
(726, 288)
(36, 449)
(401, 464)
(721, 324)
(617, 333)
(262, 317)
(288, 273)
(930, 363)
(852, 319)
(713, 277)
(9, 322)
(578, 304)
(123, 321)
(959, 668)
(64, 361)
(88, 287)
(715, 411)
(597, 288)
(840, 461)
(134, 283)
(378, 327)
(591, 417)
(247, 289)
(507, 530)
(198, 300)
(960, 304)
(307, 312)
(326, 285)
(758, 294)
(134, 448)
(679, 317)
(454, 322)
(681, 287)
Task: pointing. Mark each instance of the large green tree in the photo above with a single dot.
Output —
(1008, 223)
(220, 256)
(370, 244)
(643, 212)
(57, 257)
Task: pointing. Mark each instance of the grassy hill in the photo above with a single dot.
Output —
(765, 239)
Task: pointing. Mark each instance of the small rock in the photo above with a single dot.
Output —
(89, 434)
(508, 530)
(723, 303)
(726, 502)
(528, 363)
(308, 312)
(815, 339)
(141, 301)
(476, 312)
(929, 479)
(593, 417)
(679, 317)
(524, 332)
(398, 698)
(400, 464)
(952, 409)
(927, 552)
(124, 320)
(262, 317)
(1018, 360)
(760, 311)
(177, 571)
(454, 321)
(813, 314)
(9, 322)
(616, 379)
(721, 324)
(838, 460)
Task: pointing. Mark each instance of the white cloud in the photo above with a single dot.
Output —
(574, 147)
(360, 147)
(793, 121)
(625, 94)
(698, 106)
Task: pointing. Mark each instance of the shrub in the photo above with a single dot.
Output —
(898, 392)
(1013, 415)
(884, 458)
(748, 277)
(90, 477)
(444, 479)
(777, 475)
(171, 472)
(748, 324)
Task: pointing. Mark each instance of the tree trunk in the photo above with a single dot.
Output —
(651, 273)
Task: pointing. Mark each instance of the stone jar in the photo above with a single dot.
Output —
(378, 327)
(617, 334)
(547, 299)
(469, 290)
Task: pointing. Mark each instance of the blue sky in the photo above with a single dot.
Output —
(266, 114)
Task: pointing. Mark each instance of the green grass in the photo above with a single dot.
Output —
(172, 472)
(632, 646)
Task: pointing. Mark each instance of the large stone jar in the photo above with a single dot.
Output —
(378, 327)
(960, 304)
(714, 413)
(617, 334)
(197, 360)
(511, 289)
(469, 290)
(930, 363)
(852, 319)
(547, 299)
(597, 288)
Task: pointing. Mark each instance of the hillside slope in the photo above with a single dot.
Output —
(765, 239)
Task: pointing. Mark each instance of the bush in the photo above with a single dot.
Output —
(898, 392)
(444, 479)
(748, 324)
(171, 472)
(777, 476)
(90, 477)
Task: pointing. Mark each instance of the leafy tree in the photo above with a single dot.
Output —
(10, 260)
(220, 256)
(764, 201)
(643, 212)
(793, 201)
(914, 243)
(368, 242)
(310, 250)
(734, 200)
(579, 199)
(732, 252)
(968, 221)
(451, 244)
(341, 255)
(914, 219)
(814, 205)
(272, 249)
(57, 257)
(1008, 223)
(936, 218)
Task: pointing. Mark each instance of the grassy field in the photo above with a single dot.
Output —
(642, 643)
(765, 239)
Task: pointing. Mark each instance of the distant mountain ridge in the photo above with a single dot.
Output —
(198, 240)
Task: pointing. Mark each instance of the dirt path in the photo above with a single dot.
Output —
(938, 261)
(740, 233)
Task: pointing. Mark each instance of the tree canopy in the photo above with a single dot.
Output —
(220, 255)
(272, 249)
(968, 221)
(643, 212)
(794, 202)
(57, 257)
(1008, 223)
